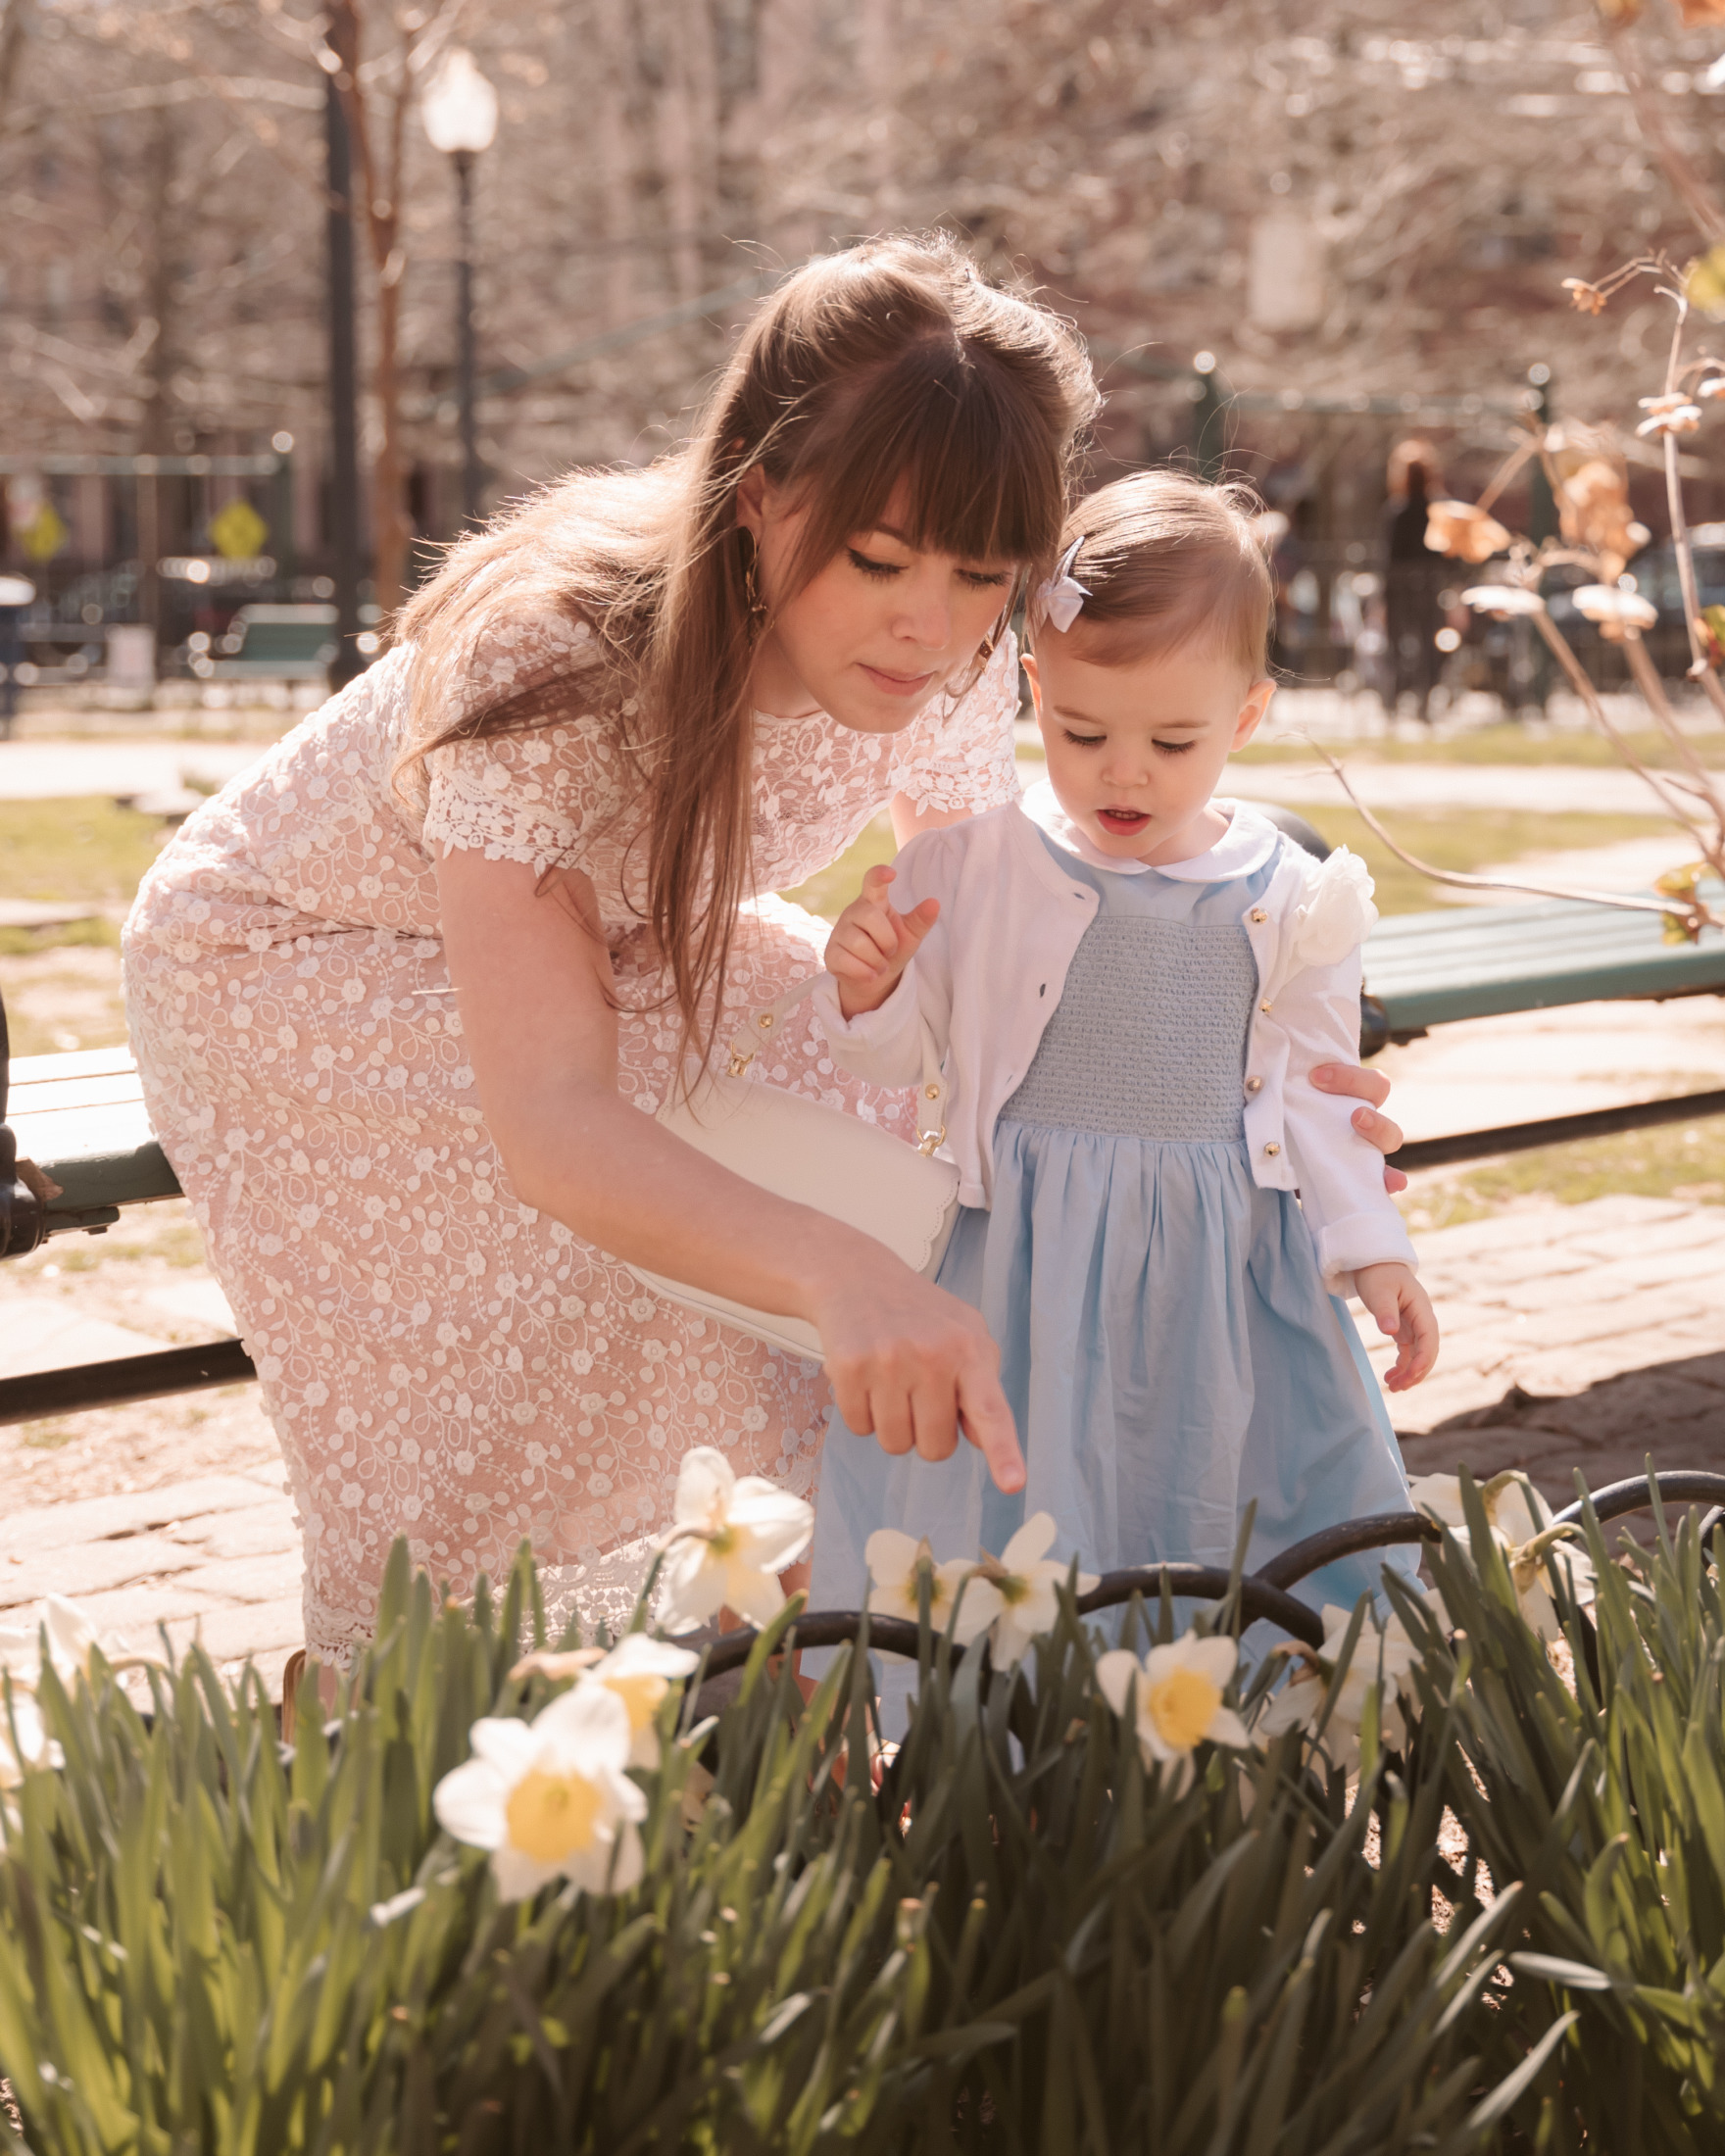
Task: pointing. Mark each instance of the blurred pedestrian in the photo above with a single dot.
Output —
(1412, 575)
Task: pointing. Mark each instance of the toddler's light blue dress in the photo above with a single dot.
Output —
(1167, 1342)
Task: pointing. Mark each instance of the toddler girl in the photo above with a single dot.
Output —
(1129, 981)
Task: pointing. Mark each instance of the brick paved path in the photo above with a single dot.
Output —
(218, 1559)
(1574, 1336)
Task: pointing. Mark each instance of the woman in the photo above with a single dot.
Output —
(400, 992)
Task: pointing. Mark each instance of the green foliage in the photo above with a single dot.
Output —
(1607, 1801)
(1021, 1940)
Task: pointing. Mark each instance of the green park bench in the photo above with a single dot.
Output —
(81, 1120)
(278, 643)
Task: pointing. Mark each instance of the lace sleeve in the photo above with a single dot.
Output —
(531, 797)
(963, 760)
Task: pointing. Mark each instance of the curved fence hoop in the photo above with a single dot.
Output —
(1263, 1595)
(1377, 1531)
(832, 1628)
(1686, 1485)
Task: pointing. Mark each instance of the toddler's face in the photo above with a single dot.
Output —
(1135, 751)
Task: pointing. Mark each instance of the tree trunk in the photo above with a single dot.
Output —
(615, 163)
(11, 22)
(378, 168)
(158, 427)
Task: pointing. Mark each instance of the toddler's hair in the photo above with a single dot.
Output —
(1166, 562)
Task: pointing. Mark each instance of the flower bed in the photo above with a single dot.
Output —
(1097, 1900)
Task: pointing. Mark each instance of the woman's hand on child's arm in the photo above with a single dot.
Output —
(1404, 1314)
(872, 944)
(1373, 1087)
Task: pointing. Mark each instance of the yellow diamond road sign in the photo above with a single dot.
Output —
(43, 536)
(236, 531)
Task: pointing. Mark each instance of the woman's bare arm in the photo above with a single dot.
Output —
(908, 1361)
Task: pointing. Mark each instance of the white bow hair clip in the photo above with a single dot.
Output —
(1061, 597)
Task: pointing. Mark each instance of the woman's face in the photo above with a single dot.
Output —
(877, 632)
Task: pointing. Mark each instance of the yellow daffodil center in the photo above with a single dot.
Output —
(722, 1540)
(551, 1814)
(640, 1695)
(1014, 1588)
(1183, 1706)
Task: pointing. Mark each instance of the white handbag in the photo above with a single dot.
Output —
(818, 1156)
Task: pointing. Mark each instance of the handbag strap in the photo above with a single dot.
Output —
(932, 1090)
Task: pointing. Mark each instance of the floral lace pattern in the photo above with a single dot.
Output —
(438, 1360)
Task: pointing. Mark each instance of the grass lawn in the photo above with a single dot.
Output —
(88, 852)
(1505, 744)
(1463, 840)
(1683, 1161)
(1466, 840)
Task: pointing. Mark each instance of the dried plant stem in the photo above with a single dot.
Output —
(1653, 689)
(1508, 469)
(1676, 809)
(1693, 914)
(1701, 668)
(1692, 605)
(1691, 188)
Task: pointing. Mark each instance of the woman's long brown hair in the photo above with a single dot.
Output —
(893, 366)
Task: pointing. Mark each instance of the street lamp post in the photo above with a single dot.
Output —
(344, 437)
(461, 119)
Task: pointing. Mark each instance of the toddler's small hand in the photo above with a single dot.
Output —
(1404, 1314)
(872, 945)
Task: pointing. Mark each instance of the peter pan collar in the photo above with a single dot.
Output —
(1247, 842)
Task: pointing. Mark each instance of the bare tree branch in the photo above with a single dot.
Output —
(1693, 916)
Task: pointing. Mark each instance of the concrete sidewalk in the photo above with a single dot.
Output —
(56, 770)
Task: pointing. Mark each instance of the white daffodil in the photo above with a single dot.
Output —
(1027, 1584)
(641, 1670)
(1613, 609)
(550, 1798)
(24, 1740)
(1382, 1661)
(1520, 1523)
(1176, 1698)
(1671, 414)
(73, 1636)
(897, 1564)
(730, 1541)
(1502, 600)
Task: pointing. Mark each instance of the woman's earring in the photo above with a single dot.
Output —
(752, 591)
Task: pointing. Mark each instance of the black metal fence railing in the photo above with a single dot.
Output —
(1262, 1595)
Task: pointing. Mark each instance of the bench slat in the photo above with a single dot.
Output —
(81, 1119)
(1434, 968)
(83, 1062)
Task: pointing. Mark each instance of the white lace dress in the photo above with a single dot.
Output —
(438, 1360)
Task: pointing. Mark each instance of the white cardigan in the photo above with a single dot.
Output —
(991, 971)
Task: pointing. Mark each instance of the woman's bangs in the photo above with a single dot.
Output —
(952, 455)
(978, 478)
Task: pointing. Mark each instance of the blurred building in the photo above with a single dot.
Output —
(1365, 231)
